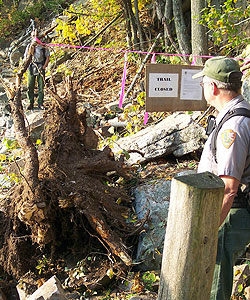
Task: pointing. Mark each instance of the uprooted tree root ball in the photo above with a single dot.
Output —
(70, 210)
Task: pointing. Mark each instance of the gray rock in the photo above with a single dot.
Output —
(3, 97)
(2, 121)
(15, 57)
(246, 89)
(36, 124)
(154, 198)
(177, 134)
(116, 123)
(142, 297)
(50, 290)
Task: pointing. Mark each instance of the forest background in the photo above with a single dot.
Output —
(189, 30)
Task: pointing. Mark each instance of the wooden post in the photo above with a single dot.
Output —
(191, 237)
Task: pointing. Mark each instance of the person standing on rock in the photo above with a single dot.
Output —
(36, 72)
(227, 154)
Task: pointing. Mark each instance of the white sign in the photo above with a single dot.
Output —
(190, 88)
(163, 85)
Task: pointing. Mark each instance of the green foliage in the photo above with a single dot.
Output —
(43, 264)
(82, 24)
(10, 144)
(149, 278)
(12, 178)
(12, 20)
(132, 115)
(225, 24)
(79, 23)
(13, 151)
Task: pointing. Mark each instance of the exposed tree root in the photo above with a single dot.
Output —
(64, 200)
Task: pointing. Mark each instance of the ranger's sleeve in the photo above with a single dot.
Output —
(233, 147)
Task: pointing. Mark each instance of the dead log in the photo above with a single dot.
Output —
(191, 237)
(104, 162)
(109, 237)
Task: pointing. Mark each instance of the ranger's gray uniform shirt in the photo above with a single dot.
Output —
(233, 146)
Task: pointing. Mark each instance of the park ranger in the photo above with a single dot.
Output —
(227, 154)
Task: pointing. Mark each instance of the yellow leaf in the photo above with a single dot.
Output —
(125, 216)
(3, 157)
(110, 273)
(118, 201)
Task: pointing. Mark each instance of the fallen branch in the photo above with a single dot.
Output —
(111, 239)
(104, 29)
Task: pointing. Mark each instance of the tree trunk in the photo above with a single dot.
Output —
(198, 34)
(191, 237)
(158, 8)
(168, 14)
(128, 29)
(140, 29)
(130, 14)
(181, 29)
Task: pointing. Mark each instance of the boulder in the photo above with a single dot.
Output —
(15, 57)
(36, 124)
(3, 97)
(50, 290)
(246, 89)
(153, 199)
(178, 134)
(143, 297)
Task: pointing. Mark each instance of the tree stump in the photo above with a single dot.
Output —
(191, 237)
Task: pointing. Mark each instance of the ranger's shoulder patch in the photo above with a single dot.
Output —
(228, 137)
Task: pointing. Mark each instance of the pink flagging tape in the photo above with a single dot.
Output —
(193, 61)
(246, 62)
(153, 59)
(39, 42)
(146, 113)
(145, 118)
(123, 80)
(132, 51)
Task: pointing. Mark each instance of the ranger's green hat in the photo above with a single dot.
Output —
(221, 68)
